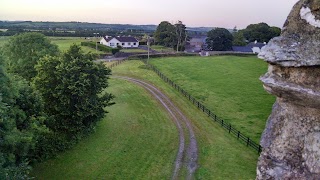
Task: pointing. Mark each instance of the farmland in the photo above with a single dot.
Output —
(220, 155)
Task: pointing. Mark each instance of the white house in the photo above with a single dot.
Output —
(125, 42)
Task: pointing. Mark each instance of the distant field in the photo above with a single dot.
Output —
(136, 140)
(63, 43)
(134, 50)
(161, 48)
(227, 85)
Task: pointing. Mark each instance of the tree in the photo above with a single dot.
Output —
(166, 34)
(21, 124)
(261, 32)
(24, 51)
(219, 39)
(181, 35)
(239, 39)
(72, 87)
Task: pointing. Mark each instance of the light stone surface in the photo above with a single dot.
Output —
(291, 140)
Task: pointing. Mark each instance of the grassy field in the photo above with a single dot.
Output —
(122, 148)
(130, 143)
(63, 43)
(161, 48)
(221, 156)
(134, 51)
(228, 85)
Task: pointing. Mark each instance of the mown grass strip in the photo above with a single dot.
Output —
(136, 140)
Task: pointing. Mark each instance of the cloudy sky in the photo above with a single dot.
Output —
(211, 13)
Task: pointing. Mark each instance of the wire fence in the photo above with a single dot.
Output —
(227, 126)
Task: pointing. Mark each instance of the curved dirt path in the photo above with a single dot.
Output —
(186, 155)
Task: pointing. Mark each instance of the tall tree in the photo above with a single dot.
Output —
(219, 39)
(72, 86)
(166, 34)
(181, 35)
(24, 51)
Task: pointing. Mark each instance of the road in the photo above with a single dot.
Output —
(187, 154)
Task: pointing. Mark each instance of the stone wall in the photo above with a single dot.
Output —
(291, 140)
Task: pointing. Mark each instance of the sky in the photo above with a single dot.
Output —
(193, 13)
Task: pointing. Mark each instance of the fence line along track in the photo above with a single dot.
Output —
(227, 126)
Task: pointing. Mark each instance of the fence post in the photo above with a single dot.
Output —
(222, 122)
(259, 150)
(229, 128)
(238, 134)
(248, 140)
(209, 113)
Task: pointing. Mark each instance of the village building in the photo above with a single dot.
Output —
(253, 47)
(125, 42)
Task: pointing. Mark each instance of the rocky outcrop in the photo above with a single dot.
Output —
(291, 140)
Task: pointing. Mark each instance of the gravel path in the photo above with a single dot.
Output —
(187, 154)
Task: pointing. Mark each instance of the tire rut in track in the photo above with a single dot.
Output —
(188, 154)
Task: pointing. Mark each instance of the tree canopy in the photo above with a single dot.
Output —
(219, 39)
(261, 32)
(24, 51)
(170, 35)
(71, 87)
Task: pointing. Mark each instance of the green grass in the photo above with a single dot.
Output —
(136, 140)
(65, 42)
(221, 156)
(227, 85)
(134, 51)
(161, 48)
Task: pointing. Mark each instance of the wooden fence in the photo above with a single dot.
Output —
(227, 126)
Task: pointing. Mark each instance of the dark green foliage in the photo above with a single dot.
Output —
(261, 32)
(169, 35)
(219, 39)
(239, 39)
(71, 87)
(24, 51)
(165, 34)
(21, 124)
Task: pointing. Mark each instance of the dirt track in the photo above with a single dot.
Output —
(187, 153)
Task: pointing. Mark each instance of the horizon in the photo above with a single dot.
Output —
(203, 13)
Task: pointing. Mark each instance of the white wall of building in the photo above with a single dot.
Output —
(114, 43)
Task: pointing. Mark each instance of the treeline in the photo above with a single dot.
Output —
(74, 33)
(48, 101)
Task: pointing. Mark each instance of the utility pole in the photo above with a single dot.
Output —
(148, 44)
(96, 35)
